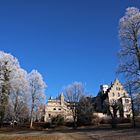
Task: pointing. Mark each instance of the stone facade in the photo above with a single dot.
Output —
(56, 107)
(114, 92)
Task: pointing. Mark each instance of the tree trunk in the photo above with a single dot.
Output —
(75, 122)
(31, 121)
(32, 109)
(15, 108)
(1, 118)
(133, 113)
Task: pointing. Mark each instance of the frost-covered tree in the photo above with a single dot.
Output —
(73, 93)
(129, 33)
(8, 64)
(19, 93)
(37, 90)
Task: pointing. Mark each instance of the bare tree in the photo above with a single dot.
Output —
(136, 101)
(129, 33)
(40, 113)
(37, 90)
(85, 111)
(73, 93)
(129, 85)
(112, 107)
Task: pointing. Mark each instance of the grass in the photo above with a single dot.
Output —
(45, 137)
(57, 137)
(119, 138)
(81, 134)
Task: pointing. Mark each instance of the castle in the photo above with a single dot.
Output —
(56, 107)
(107, 93)
(114, 93)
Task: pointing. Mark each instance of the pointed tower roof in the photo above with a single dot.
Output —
(115, 81)
(61, 95)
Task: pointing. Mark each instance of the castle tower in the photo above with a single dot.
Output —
(62, 98)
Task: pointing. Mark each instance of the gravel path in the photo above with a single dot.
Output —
(80, 134)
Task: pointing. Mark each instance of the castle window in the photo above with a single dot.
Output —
(54, 109)
(124, 94)
(49, 115)
(126, 101)
(126, 109)
(59, 108)
(113, 94)
(71, 108)
(118, 94)
(117, 88)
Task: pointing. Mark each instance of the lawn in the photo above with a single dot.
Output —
(60, 137)
(45, 137)
(79, 134)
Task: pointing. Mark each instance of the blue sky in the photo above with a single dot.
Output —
(65, 40)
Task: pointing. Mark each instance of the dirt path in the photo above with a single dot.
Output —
(67, 136)
(91, 134)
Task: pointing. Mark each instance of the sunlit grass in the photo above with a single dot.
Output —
(57, 137)
(45, 137)
(120, 138)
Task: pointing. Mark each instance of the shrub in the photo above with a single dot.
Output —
(84, 120)
(137, 119)
(69, 124)
(105, 121)
(123, 120)
(58, 120)
(96, 120)
(41, 125)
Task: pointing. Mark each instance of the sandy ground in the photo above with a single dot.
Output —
(80, 134)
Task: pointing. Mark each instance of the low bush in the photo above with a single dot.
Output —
(69, 124)
(96, 120)
(58, 120)
(137, 119)
(118, 120)
(41, 125)
(123, 120)
(105, 121)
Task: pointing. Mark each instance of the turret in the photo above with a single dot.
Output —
(104, 88)
(62, 98)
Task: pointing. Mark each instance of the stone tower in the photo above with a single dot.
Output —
(62, 98)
